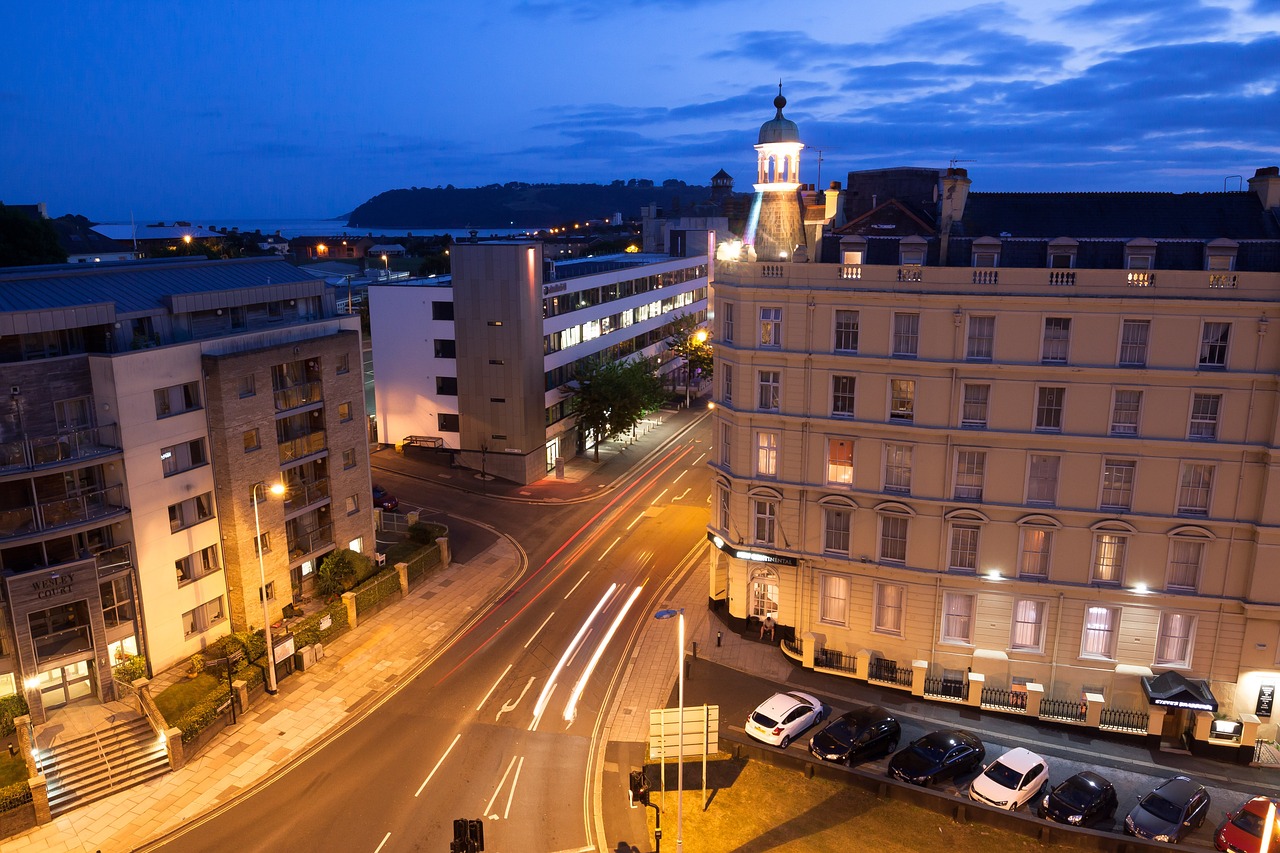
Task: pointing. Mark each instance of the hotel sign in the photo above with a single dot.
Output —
(753, 555)
(1266, 699)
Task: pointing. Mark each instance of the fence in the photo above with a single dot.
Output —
(888, 672)
(832, 659)
(1123, 720)
(377, 592)
(420, 564)
(1064, 709)
(950, 688)
(1005, 700)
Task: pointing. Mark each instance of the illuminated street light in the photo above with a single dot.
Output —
(667, 614)
(276, 489)
(186, 238)
(385, 263)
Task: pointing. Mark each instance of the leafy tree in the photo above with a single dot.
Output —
(25, 241)
(689, 340)
(610, 397)
(338, 572)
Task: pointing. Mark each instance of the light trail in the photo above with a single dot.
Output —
(541, 704)
(571, 709)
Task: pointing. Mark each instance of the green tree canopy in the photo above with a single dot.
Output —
(611, 397)
(26, 242)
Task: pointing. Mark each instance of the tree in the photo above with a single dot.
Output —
(611, 397)
(689, 341)
(25, 241)
(339, 571)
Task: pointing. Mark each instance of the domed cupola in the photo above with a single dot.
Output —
(779, 129)
(778, 152)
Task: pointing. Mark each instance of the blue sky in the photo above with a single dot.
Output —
(281, 109)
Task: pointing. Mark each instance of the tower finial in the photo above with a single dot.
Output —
(779, 101)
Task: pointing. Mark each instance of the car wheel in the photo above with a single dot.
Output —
(891, 747)
(785, 742)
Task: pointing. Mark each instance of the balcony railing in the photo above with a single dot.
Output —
(302, 544)
(986, 276)
(50, 515)
(30, 453)
(832, 659)
(298, 395)
(300, 448)
(115, 559)
(299, 495)
(65, 642)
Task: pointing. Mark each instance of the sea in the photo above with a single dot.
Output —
(334, 228)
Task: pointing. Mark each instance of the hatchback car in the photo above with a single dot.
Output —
(851, 737)
(938, 755)
(1011, 781)
(1085, 799)
(782, 716)
(1175, 808)
(383, 499)
(1241, 830)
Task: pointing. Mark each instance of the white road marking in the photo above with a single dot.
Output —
(610, 548)
(659, 497)
(511, 706)
(514, 782)
(681, 496)
(540, 627)
(639, 518)
(498, 789)
(383, 844)
(495, 685)
(456, 738)
(682, 473)
(701, 456)
(579, 648)
(576, 585)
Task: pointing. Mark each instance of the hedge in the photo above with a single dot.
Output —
(10, 707)
(308, 633)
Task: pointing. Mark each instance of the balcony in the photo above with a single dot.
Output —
(296, 396)
(293, 449)
(32, 453)
(304, 542)
(65, 512)
(299, 495)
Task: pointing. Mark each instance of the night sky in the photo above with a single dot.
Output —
(280, 109)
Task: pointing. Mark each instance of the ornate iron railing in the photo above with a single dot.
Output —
(888, 672)
(1124, 720)
(1064, 709)
(949, 688)
(1005, 700)
(832, 659)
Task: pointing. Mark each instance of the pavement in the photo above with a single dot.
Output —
(367, 664)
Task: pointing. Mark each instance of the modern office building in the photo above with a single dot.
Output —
(1025, 441)
(477, 362)
(146, 406)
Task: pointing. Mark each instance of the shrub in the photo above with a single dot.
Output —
(426, 532)
(201, 714)
(129, 668)
(11, 707)
(307, 632)
(197, 664)
(340, 571)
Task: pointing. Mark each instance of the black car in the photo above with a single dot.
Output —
(857, 735)
(1176, 807)
(1083, 800)
(938, 755)
(383, 499)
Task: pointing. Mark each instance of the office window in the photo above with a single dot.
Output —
(447, 386)
(445, 348)
(902, 400)
(177, 399)
(1186, 555)
(726, 383)
(842, 396)
(1173, 643)
(771, 327)
(765, 516)
(1124, 412)
(1117, 484)
(1100, 624)
(897, 468)
(1033, 556)
(833, 606)
(348, 459)
(957, 617)
(1042, 479)
(1133, 342)
(344, 412)
(252, 441)
(1204, 416)
(726, 321)
(183, 457)
(981, 339)
(1214, 338)
(963, 555)
(1028, 625)
(197, 565)
(836, 529)
(770, 389)
(767, 453)
(726, 434)
(1049, 402)
(890, 601)
(1108, 557)
(840, 461)
(192, 511)
(906, 335)
(893, 538)
(971, 468)
(353, 504)
(1057, 340)
(973, 413)
(722, 504)
(1194, 488)
(846, 331)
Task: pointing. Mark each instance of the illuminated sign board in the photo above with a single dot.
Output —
(754, 556)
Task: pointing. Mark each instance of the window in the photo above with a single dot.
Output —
(177, 399)
(117, 602)
(1133, 342)
(267, 592)
(445, 348)
(191, 511)
(348, 459)
(964, 548)
(73, 414)
(726, 383)
(344, 363)
(897, 468)
(1213, 344)
(981, 341)
(1193, 489)
(842, 396)
(833, 607)
(1042, 479)
(248, 386)
(441, 310)
(771, 327)
(1057, 338)
(840, 461)
(957, 618)
(726, 321)
(182, 457)
(447, 386)
(723, 506)
(893, 538)
(357, 544)
(447, 423)
(1033, 557)
(767, 453)
(890, 599)
(906, 335)
(197, 565)
(252, 441)
(1186, 555)
(1028, 625)
(902, 400)
(263, 544)
(344, 412)
(836, 529)
(726, 433)
(1100, 625)
(1117, 484)
(1049, 408)
(353, 504)
(203, 617)
(973, 414)
(1124, 412)
(1173, 643)
(770, 389)
(846, 331)
(971, 467)
(1108, 557)
(1204, 416)
(765, 516)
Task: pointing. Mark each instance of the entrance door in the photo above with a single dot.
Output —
(763, 594)
(66, 684)
(553, 452)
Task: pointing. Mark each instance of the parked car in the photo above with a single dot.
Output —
(383, 499)
(1011, 781)
(1084, 799)
(1171, 811)
(1241, 830)
(782, 716)
(851, 737)
(939, 755)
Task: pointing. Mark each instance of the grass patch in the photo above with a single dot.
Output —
(754, 808)
(12, 769)
(180, 697)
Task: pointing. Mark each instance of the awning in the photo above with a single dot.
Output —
(1174, 690)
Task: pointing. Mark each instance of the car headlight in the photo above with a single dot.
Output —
(1075, 818)
(1162, 837)
(1044, 803)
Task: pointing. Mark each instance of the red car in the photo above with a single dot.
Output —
(383, 499)
(1241, 830)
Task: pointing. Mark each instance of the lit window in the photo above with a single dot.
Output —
(889, 602)
(766, 453)
(957, 618)
(1108, 557)
(840, 461)
(1174, 642)
(1037, 544)
(1028, 625)
(771, 327)
(902, 400)
(1100, 624)
(833, 607)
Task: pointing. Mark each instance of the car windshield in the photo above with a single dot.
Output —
(1162, 808)
(764, 720)
(1003, 775)
(1075, 793)
(1249, 822)
(840, 732)
(931, 750)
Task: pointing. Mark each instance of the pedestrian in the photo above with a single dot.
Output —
(766, 627)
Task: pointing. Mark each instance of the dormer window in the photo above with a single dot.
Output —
(1062, 253)
(911, 251)
(853, 250)
(1139, 262)
(986, 252)
(1140, 254)
(1220, 255)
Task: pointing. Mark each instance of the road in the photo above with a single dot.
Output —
(502, 724)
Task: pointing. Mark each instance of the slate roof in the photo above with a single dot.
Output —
(125, 231)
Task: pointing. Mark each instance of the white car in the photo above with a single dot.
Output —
(783, 716)
(1011, 780)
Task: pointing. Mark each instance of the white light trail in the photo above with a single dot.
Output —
(541, 704)
(571, 709)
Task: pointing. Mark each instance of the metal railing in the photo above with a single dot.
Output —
(949, 688)
(301, 544)
(832, 659)
(795, 647)
(1005, 700)
(298, 448)
(114, 559)
(61, 513)
(296, 396)
(299, 495)
(888, 672)
(29, 453)
(1064, 709)
(1124, 720)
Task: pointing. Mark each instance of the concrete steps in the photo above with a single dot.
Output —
(97, 765)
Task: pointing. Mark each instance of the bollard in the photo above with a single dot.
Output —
(717, 639)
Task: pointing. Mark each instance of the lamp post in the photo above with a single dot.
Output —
(276, 489)
(667, 614)
(386, 265)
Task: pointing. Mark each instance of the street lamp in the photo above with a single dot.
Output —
(386, 265)
(699, 338)
(275, 489)
(667, 614)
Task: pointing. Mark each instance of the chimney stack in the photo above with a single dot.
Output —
(1266, 183)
